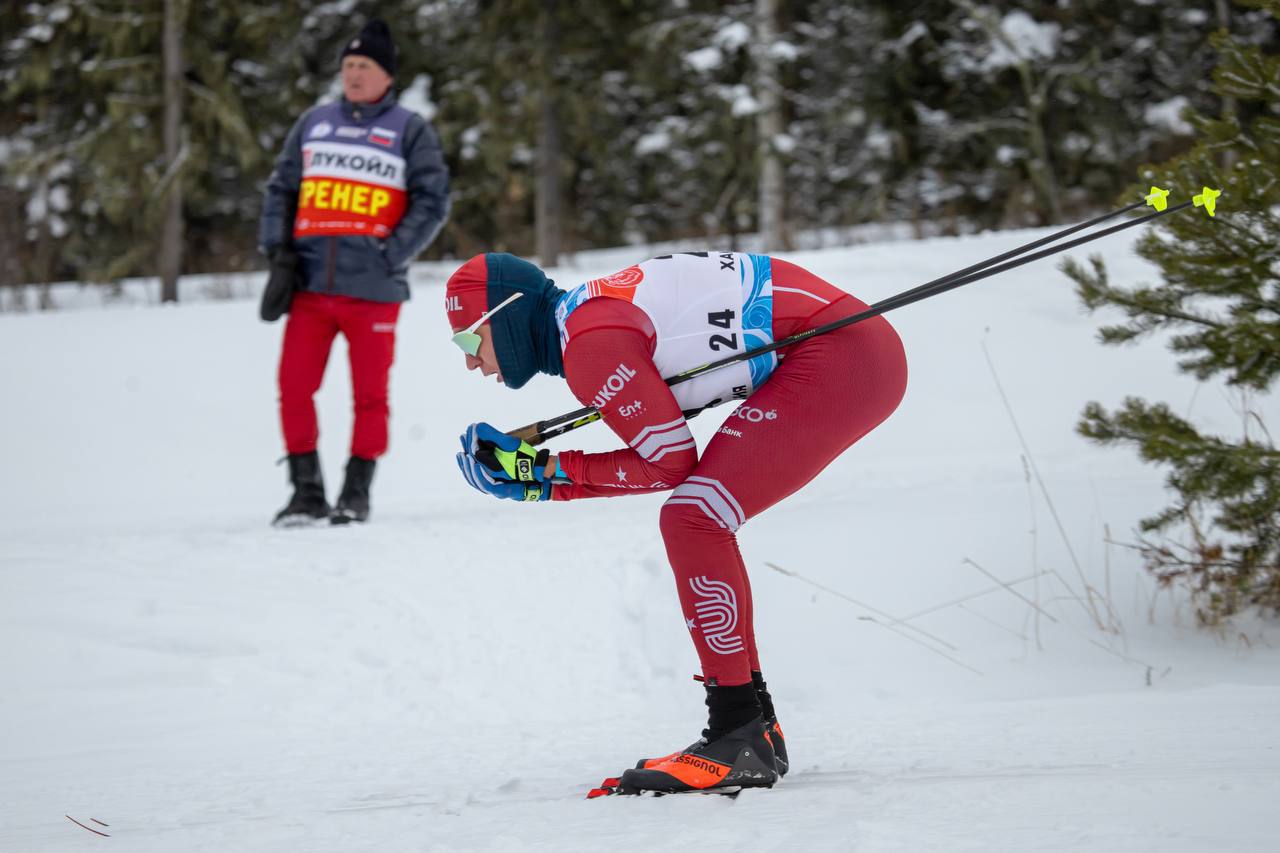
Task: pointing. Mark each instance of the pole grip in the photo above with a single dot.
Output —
(528, 433)
(539, 431)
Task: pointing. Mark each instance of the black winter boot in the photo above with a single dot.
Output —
(353, 503)
(308, 503)
(733, 752)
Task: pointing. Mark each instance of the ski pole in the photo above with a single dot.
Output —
(541, 431)
(541, 426)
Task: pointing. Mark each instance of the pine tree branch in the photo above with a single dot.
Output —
(125, 98)
(1123, 299)
(133, 19)
(125, 63)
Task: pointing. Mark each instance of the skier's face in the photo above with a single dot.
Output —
(485, 360)
(363, 80)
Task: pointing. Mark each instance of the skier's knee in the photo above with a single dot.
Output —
(700, 504)
(678, 520)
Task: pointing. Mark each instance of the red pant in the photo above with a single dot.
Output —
(826, 394)
(370, 329)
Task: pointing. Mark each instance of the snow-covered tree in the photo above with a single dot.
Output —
(674, 119)
(85, 82)
(1028, 113)
(844, 143)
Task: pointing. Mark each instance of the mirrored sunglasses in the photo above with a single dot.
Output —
(467, 340)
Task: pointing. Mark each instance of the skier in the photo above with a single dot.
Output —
(359, 190)
(614, 340)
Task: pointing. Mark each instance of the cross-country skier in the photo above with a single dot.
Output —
(614, 340)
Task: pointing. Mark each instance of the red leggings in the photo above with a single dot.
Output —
(370, 329)
(826, 393)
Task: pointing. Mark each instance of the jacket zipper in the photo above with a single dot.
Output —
(333, 254)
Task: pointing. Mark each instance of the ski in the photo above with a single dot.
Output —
(609, 787)
(613, 787)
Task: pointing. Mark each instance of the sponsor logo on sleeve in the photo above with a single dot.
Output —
(615, 383)
(630, 410)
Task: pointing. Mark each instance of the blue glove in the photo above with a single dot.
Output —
(484, 480)
(505, 456)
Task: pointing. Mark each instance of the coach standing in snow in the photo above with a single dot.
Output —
(360, 189)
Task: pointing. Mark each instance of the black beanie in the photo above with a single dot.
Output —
(374, 41)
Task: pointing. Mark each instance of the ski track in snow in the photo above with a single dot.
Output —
(457, 674)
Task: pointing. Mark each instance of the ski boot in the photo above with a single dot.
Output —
(308, 503)
(772, 730)
(353, 502)
(733, 752)
(742, 758)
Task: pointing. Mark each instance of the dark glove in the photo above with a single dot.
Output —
(282, 281)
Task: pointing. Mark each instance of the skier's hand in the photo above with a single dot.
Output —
(506, 457)
(484, 480)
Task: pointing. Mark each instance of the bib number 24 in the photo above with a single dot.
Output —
(724, 320)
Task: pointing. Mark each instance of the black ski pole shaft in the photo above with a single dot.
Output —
(915, 295)
(541, 431)
(540, 426)
(1019, 250)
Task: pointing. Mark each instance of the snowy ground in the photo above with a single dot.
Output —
(456, 674)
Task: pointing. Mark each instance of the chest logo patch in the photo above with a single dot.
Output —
(619, 285)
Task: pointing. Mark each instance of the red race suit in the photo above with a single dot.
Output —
(800, 408)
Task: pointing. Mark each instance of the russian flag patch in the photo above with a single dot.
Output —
(382, 136)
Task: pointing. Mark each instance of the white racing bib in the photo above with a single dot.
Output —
(704, 306)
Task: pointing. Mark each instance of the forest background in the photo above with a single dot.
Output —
(135, 137)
